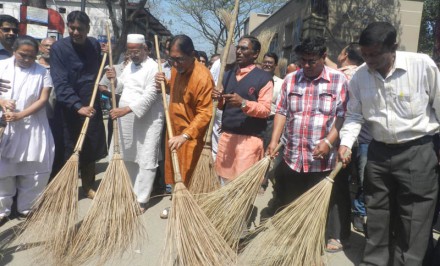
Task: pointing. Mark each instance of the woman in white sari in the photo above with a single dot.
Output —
(26, 146)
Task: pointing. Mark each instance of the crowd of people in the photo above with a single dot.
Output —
(377, 110)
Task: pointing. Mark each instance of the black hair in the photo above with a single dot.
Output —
(354, 54)
(8, 19)
(272, 55)
(204, 55)
(79, 16)
(149, 45)
(379, 33)
(256, 45)
(312, 45)
(184, 43)
(25, 40)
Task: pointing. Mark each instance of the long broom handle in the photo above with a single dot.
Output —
(174, 158)
(208, 135)
(82, 135)
(112, 86)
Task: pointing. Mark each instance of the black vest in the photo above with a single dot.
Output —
(234, 120)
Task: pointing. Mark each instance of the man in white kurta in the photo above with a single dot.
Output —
(140, 116)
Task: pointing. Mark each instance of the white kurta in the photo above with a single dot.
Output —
(140, 130)
(27, 146)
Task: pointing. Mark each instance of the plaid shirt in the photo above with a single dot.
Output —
(310, 107)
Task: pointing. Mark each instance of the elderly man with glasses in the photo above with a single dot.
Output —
(190, 107)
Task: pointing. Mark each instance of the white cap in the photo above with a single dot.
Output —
(135, 38)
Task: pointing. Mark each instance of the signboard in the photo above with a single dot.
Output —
(37, 15)
(36, 31)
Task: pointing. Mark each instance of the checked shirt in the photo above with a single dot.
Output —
(310, 107)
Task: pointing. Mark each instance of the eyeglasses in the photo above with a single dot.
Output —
(134, 53)
(242, 48)
(177, 59)
(7, 30)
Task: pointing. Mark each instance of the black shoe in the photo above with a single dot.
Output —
(358, 223)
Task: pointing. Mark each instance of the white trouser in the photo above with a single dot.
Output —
(216, 132)
(142, 179)
(28, 187)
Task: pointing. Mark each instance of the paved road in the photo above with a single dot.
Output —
(149, 252)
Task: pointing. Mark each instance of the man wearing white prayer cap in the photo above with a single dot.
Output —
(140, 114)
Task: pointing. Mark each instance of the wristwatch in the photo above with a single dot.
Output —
(243, 103)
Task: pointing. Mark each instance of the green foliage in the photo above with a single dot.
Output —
(430, 16)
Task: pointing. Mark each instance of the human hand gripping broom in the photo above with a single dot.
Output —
(191, 239)
(112, 225)
(296, 235)
(54, 214)
(204, 178)
(229, 207)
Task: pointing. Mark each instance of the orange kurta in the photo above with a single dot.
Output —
(190, 109)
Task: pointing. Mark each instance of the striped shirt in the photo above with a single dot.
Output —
(401, 107)
(310, 107)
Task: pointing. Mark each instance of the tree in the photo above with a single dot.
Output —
(203, 16)
(429, 38)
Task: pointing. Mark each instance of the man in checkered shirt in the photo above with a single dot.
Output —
(310, 107)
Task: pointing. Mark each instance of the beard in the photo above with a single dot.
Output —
(45, 56)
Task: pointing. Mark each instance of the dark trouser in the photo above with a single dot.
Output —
(290, 184)
(400, 193)
(87, 171)
(338, 225)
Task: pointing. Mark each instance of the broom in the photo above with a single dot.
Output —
(191, 239)
(112, 222)
(229, 207)
(294, 236)
(204, 178)
(265, 37)
(54, 214)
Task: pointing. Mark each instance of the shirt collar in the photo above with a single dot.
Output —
(244, 70)
(325, 75)
(400, 62)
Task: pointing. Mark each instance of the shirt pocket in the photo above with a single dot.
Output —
(295, 100)
(409, 105)
(327, 103)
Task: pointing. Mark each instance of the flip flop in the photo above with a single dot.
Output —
(335, 243)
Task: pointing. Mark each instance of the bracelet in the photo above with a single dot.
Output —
(328, 143)
(185, 136)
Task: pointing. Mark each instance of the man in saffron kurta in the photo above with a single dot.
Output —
(246, 105)
(190, 107)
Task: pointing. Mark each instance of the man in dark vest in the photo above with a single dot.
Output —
(245, 101)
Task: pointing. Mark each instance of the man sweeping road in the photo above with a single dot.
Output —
(73, 82)
(397, 95)
(141, 117)
(246, 103)
(311, 103)
(190, 107)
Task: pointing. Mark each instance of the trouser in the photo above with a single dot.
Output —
(400, 194)
(216, 132)
(290, 184)
(360, 161)
(338, 225)
(143, 180)
(87, 171)
(27, 187)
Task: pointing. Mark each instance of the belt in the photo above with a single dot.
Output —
(419, 141)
